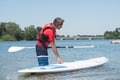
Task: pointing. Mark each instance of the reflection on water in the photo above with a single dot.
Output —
(38, 76)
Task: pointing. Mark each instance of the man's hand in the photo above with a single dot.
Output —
(59, 61)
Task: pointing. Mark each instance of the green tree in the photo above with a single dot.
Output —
(30, 33)
(112, 34)
(108, 35)
(2, 29)
(10, 28)
(14, 30)
(116, 33)
(38, 29)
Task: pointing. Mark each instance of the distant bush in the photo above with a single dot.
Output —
(8, 38)
(115, 34)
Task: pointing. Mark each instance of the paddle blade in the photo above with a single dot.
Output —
(15, 49)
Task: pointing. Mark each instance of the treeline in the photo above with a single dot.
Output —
(10, 31)
(115, 34)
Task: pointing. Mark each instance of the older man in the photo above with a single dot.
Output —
(47, 36)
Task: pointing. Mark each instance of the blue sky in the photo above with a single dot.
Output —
(84, 17)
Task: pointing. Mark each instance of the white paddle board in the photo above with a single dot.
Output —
(70, 66)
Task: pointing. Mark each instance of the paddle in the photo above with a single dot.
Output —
(18, 48)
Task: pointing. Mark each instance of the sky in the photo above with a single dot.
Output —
(82, 17)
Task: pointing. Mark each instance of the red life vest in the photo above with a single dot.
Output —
(49, 31)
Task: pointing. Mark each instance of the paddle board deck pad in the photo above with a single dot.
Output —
(70, 66)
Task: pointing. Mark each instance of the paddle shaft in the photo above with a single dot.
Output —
(18, 48)
(63, 47)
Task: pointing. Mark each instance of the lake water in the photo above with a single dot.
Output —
(10, 63)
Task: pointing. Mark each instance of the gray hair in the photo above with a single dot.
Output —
(58, 20)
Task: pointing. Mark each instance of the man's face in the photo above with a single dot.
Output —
(59, 26)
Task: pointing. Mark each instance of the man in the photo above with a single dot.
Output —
(47, 36)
